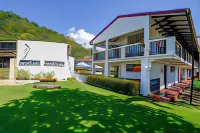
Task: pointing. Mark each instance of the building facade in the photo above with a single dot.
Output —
(36, 57)
(153, 47)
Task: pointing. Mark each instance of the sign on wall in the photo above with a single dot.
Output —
(29, 63)
(54, 63)
(26, 50)
(155, 84)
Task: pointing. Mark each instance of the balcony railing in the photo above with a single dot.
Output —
(99, 55)
(114, 53)
(157, 47)
(162, 46)
(178, 50)
(134, 50)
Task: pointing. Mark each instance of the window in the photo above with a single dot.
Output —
(133, 67)
(172, 69)
(7, 46)
(4, 62)
(135, 38)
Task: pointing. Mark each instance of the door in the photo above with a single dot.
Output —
(165, 75)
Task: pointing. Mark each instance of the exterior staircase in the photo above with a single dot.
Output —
(185, 96)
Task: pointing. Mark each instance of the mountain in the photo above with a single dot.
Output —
(23, 29)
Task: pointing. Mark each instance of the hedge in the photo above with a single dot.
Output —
(127, 87)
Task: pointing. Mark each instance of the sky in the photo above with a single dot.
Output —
(83, 19)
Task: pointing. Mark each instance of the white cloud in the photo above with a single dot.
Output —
(80, 36)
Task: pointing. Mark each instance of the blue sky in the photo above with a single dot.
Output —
(90, 16)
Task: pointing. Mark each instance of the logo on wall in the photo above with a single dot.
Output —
(26, 51)
(54, 63)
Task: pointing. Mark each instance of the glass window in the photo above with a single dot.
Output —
(133, 67)
(7, 46)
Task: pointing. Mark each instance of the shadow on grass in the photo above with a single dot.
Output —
(81, 111)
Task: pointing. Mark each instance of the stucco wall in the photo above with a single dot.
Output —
(157, 71)
(124, 26)
(172, 77)
(44, 51)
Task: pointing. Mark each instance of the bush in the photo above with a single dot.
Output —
(37, 76)
(22, 74)
(48, 75)
(127, 87)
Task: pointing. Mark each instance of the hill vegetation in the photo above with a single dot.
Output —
(23, 29)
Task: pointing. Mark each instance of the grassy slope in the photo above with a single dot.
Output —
(197, 84)
(83, 108)
(23, 29)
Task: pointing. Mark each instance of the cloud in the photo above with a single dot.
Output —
(80, 36)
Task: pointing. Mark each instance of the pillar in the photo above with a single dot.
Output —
(93, 64)
(186, 74)
(199, 67)
(145, 77)
(106, 64)
(12, 69)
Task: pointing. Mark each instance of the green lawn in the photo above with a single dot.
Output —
(82, 108)
(197, 84)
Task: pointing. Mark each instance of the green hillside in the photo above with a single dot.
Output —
(23, 29)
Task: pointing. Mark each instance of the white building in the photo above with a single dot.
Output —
(165, 58)
(35, 56)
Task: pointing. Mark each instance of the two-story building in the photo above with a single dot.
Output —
(153, 47)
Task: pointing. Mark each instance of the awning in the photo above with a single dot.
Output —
(179, 25)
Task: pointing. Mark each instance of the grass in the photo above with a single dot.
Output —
(80, 107)
(197, 84)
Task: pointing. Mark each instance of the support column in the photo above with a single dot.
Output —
(185, 72)
(199, 67)
(93, 64)
(12, 69)
(106, 64)
(145, 77)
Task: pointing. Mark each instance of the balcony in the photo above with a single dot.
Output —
(169, 46)
(164, 47)
(99, 55)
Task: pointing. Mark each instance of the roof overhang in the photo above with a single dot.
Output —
(177, 23)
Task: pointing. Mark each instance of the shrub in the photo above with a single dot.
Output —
(127, 87)
(23, 74)
(48, 75)
(37, 76)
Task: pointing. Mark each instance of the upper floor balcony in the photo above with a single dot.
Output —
(157, 48)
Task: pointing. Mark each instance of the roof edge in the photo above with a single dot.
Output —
(139, 14)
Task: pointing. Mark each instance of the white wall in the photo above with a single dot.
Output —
(71, 65)
(44, 51)
(155, 73)
(172, 77)
(123, 26)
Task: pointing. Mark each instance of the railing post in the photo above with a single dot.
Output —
(123, 52)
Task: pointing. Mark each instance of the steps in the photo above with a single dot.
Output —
(185, 96)
(8, 82)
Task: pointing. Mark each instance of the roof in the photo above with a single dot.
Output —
(139, 14)
(85, 60)
(177, 23)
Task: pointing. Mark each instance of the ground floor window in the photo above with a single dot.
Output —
(133, 67)
(4, 62)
